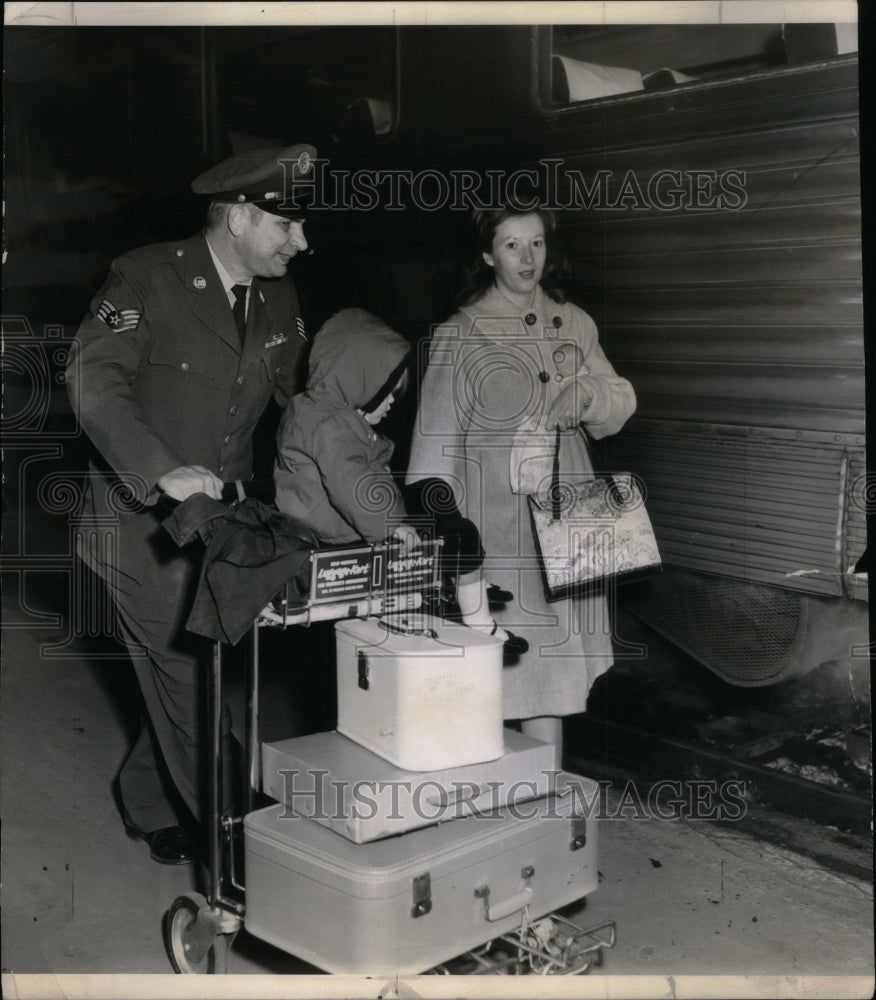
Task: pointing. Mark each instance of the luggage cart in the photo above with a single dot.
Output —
(357, 582)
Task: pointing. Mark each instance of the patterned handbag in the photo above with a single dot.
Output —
(592, 532)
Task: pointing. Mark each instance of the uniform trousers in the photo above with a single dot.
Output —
(152, 585)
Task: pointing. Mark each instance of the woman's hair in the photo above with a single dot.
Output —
(478, 276)
(397, 383)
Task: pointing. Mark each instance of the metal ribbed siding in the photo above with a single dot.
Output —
(751, 316)
(751, 507)
(742, 332)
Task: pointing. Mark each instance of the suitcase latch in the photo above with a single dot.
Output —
(362, 664)
(422, 889)
(579, 832)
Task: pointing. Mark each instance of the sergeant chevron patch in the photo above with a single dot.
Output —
(119, 320)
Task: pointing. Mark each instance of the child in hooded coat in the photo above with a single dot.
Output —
(332, 470)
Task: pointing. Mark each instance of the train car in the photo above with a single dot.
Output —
(707, 180)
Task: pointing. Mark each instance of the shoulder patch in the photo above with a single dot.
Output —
(299, 322)
(119, 320)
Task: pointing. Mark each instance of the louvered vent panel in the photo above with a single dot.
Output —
(751, 508)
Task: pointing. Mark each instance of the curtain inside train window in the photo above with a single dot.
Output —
(592, 62)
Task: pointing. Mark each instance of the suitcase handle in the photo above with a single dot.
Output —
(507, 906)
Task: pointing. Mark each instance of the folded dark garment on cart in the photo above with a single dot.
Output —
(252, 551)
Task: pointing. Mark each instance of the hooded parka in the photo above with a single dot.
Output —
(332, 470)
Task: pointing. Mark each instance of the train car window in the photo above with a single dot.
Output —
(582, 63)
(331, 84)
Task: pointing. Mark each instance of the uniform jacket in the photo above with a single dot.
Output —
(158, 377)
(332, 470)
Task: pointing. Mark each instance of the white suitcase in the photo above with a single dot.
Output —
(424, 701)
(334, 781)
(407, 903)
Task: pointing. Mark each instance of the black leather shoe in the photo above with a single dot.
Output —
(172, 845)
(497, 596)
(514, 645)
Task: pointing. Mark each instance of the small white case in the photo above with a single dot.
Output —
(424, 700)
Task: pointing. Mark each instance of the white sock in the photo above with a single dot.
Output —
(549, 729)
(471, 595)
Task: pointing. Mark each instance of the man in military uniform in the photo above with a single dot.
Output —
(180, 353)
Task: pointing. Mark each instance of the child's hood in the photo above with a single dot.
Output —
(352, 357)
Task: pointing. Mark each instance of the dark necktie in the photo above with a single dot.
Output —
(238, 310)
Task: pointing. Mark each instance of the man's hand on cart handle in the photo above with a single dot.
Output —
(229, 493)
(187, 480)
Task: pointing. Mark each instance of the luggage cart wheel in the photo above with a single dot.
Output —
(193, 941)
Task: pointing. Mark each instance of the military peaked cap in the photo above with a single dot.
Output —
(264, 177)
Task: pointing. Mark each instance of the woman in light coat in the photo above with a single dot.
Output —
(513, 364)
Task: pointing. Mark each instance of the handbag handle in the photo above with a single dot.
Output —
(556, 510)
(556, 495)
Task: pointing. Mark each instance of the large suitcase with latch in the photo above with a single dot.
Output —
(407, 903)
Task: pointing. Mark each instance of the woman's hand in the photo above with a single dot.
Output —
(569, 407)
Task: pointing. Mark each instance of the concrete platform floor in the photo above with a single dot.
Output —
(690, 899)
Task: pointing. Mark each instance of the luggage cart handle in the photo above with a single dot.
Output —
(508, 906)
(258, 489)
